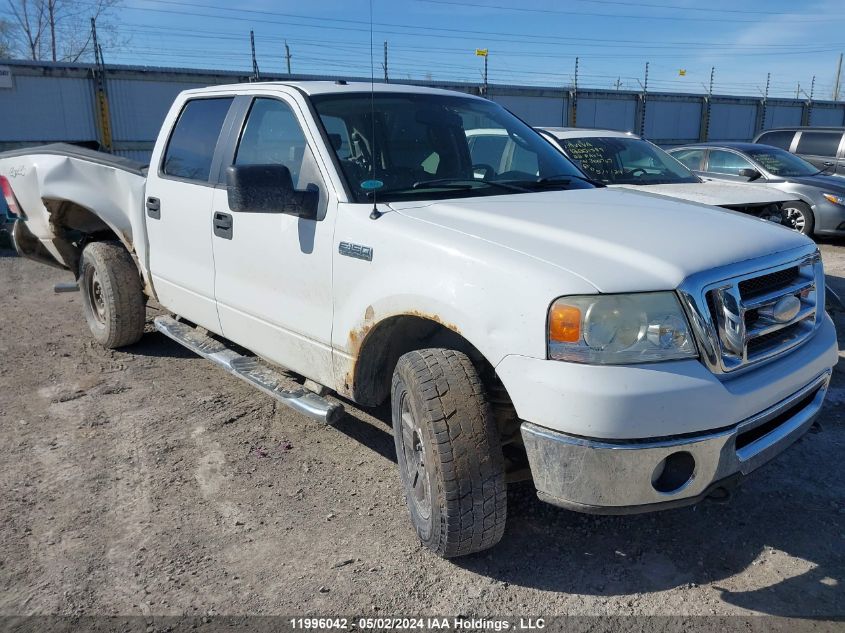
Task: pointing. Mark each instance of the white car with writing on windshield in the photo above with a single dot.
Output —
(626, 352)
(622, 159)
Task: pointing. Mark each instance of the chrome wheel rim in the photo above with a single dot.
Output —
(796, 219)
(416, 462)
(96, 298)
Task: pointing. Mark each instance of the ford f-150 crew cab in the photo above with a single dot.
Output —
(627, 351)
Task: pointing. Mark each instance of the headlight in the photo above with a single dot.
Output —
(619, 329)
(835, 199)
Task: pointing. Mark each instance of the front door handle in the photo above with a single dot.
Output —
(223, 225)
(154, 208)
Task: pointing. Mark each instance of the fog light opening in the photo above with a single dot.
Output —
(673, 472)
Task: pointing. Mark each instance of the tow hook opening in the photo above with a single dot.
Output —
(720, 495)
(673, 473)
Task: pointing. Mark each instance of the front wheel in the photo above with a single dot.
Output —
(449, 452)
(799, 216)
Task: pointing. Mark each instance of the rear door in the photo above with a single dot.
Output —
(178, 201)
(819, 148)
(274, 271)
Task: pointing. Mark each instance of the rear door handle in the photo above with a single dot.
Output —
(154, 208)
(223, 225)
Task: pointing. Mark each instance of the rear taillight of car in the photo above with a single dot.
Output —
(9, 196)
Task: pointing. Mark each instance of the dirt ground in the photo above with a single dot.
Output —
(148, 481)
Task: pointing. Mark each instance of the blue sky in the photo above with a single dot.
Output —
(530, 41)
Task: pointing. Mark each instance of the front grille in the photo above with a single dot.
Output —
(765, 283)
(751, 317)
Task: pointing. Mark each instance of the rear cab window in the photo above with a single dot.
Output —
(190, 149)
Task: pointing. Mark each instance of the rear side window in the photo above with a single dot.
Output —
(819, 143)
(194, 138)
(690, 157)
(782, 139)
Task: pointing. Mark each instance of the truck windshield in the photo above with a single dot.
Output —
(422, 146)
(779, 162)
(626, 161)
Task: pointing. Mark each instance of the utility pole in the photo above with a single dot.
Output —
(103, 118)
(765, 101)
(486, 89)
(798, 91)
(807, 110)
(708, 103)
(384, 65)
(618, 83)
(287, 56)
(644, 98)
(575, 95)
(256, 75)
(838, 79)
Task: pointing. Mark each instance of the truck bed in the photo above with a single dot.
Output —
(65, 191)
(74, 151)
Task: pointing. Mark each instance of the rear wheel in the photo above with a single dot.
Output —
(112, 295)
(449, 452)
(799, 217)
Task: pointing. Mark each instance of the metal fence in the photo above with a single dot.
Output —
(49, 102)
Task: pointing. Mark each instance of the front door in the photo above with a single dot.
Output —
(178, 203)
(273, 271)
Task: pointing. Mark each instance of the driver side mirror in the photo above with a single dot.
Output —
(751, 174)
(269, 189)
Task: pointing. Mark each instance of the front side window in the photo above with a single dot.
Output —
(728, 163)
(626, 161)
(272, 136)
(819, 143)
(190, 149)
(781, 139)
(692, 158)
(781, 163)
(399, 146)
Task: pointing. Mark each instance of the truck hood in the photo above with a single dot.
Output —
(719, 194)
(618, 241)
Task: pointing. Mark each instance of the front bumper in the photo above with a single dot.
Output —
(602, 477)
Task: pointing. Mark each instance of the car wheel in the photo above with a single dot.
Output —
(112, 295)
(799, 217)
(449, 453)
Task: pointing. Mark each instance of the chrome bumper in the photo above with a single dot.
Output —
(602, 477)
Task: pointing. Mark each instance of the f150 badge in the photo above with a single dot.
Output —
(356, 250)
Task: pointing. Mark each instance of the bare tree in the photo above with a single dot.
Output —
(5, 39)
(59, 30)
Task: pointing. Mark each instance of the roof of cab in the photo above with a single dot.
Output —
(313, 88)
(581, 132)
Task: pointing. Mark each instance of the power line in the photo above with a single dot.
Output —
(499, 7)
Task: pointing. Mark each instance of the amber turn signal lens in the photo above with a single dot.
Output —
(564, 324)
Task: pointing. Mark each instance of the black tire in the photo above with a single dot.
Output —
(112, 294)
(799, 217)
(449, 452)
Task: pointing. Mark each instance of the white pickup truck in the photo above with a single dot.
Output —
(629, 352)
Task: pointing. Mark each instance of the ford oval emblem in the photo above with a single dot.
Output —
(786, 309)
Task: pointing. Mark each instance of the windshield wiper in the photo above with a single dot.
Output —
(464, 183)
(553, 181)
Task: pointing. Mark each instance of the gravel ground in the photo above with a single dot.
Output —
(147, 481)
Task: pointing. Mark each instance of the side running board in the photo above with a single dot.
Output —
(251, 370)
